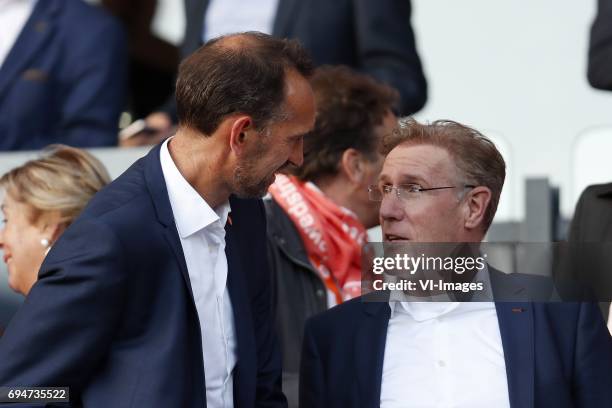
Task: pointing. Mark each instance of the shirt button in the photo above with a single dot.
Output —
(320, 292)
(441, 363)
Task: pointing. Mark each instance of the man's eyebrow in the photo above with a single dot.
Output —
(382, 178)
(411, 179)
(404, 179)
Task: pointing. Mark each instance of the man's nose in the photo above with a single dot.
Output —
(391, 207)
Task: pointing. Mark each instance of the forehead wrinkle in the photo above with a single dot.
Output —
(432, 164)
(404, 171)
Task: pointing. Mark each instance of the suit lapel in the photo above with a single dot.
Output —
(156, 185)
(244, 388)
(285, 14)
(171, 236)
(369, 351)
(39, 28)
(516, 327)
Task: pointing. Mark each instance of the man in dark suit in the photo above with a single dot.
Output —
(63, 79)
(372, 37)
(138, 304)
(441, 183)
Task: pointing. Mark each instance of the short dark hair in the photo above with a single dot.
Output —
(237, 73)
(349, 107)
(474, 154)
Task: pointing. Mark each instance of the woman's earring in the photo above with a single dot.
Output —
(46, 244)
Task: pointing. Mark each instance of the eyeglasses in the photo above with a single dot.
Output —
(404, 191)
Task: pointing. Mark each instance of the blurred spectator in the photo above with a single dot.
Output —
(42, 197)
(600, 48)
(375, 38)
(62, 74)
(317, 219)
(593, 216)
(592, 221)
(152, 61)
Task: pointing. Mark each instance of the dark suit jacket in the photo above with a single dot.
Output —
(374, 37)
(557, 355)
(63, 81)
(297, 291)
(592, 221)
(113, 316)
(599, 70)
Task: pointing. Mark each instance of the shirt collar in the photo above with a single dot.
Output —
(191, 212)
(421, 311)
(439, 305)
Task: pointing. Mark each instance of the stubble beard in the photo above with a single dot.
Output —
(247, 184)
(246, 181)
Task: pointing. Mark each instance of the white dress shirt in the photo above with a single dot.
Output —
(13, 16)
(202, 233)
(444, 355)
(233, 16)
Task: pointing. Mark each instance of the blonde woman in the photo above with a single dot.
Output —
(41, 198)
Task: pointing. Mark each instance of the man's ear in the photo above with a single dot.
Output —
(241, 127)
(477, 201)
(353, 166)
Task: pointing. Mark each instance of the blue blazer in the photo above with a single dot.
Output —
(113, 316)
(557, 355)
(63, 80)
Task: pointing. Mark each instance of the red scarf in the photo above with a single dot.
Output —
(332, 235)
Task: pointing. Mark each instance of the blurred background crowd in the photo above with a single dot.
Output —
(527, 87)
(100, 75)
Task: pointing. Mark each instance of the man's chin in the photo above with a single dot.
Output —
(257, 191)
(247, 187)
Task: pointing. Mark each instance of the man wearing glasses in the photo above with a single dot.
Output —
(441, 182)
